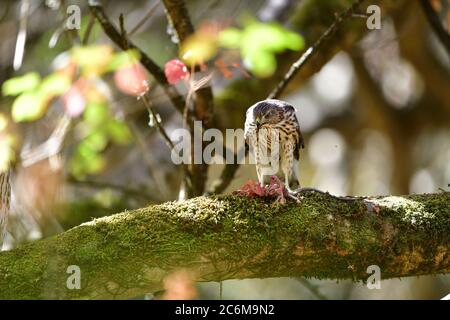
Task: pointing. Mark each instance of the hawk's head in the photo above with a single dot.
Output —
(269, 112)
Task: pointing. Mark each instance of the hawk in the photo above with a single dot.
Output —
(273, 134)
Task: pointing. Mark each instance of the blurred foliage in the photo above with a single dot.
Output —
(258, 53)
(100, 128)
(199, 47)
(76, 84)
(98, 205)
(16, 86)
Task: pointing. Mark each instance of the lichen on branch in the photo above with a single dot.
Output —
(235, 237)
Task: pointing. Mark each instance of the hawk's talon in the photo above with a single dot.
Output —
(272, 123)
(275, 188)
(294, 197)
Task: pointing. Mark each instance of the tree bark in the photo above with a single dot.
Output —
(178, 16)
(235, 237)
(5, 198)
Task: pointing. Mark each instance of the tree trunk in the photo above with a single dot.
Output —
(5, 197)
(235, 237)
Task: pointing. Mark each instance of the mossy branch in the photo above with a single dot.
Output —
(235, 237)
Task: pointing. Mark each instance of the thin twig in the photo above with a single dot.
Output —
(110, 30)
(55, 36)
(312, 288)
(144, 19)
(158, 125)
(178, 16)
(52, 146)
(22, 35)
(436, 24)
(148, 158)
(123, 32)
(73, 35)
(126, 45)
(297, 65)
(103, 185)
(163, 132)
(89, 28)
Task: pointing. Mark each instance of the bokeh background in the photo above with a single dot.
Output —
(374, 107)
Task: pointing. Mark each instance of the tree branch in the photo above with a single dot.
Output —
(144, 19)
(152, 113)
(5, 198)
(436, 24)
(110, 30)
(178, 16)
(235, 237)
(297, 65)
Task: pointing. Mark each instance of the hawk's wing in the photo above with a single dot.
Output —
(299, 141)
(249, 124)
(248, 128)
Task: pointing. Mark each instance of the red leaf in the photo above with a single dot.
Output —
(175, 70)
(223, 68)
(132, 79)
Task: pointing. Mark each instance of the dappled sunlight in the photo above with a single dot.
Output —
(135, 125)
(413, 211)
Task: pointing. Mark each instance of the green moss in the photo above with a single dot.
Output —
(224, 237)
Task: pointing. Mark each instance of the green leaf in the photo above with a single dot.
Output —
(262, 63)
(96, 164)
(92, 59)
(198, 49)
(122, 59)
(259, 42)
(263, 36)
(29, 106)
(18, 85)
(294, 41)
(96, 141)
(55, 84)
(96, 114)
(230, 38)
(119, 132)
(86, 161)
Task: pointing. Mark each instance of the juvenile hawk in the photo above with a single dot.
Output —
(273, 133)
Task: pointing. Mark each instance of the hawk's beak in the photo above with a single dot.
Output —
(258, 123)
